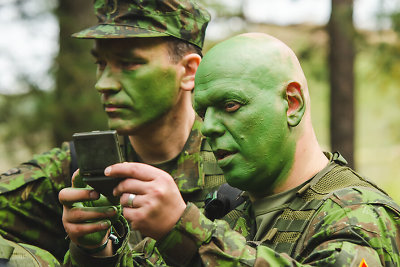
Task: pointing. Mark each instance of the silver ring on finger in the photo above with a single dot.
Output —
(131, 197)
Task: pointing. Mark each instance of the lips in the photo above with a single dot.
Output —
(113, 107)
(221, 154)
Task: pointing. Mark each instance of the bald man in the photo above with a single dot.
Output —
(304, 207)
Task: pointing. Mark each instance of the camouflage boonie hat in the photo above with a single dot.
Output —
(183, 19)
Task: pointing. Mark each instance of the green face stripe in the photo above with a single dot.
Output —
(148, 93)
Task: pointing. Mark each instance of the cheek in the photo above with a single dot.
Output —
(262, 136)
(151, 85)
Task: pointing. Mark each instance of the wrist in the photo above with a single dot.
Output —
(105, 249)
(95, 250)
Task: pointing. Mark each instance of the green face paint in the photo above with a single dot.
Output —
(147, 94)
(244, 114)
(138, 83)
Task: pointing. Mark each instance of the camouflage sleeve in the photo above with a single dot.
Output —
(364, 235)
(29, 208)
(352, 227)
(44, 258)
(14, 254)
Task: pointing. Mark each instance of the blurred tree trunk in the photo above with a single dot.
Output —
(341, 62)
(76, 105)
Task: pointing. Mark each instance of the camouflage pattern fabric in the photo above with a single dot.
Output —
(183, 19)
(29, 208)
(31, 213)
(13, 254)
(354, 226)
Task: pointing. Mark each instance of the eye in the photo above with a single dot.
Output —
(201, 113)
(131, 65)
(232, 106)
(101, 64)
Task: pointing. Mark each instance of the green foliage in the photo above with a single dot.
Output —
(23, 116)
(38, 120)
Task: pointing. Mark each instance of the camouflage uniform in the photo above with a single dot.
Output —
(337, 218)
(29, 208)
(30, 211)
(13, 254)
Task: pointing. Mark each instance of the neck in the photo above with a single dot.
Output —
(309, 160)
(165, 138)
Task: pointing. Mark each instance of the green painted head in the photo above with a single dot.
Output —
(243, 88)
(183, 19)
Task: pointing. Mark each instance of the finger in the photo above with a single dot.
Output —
(136, 218)
(76, 230)
(128, 202)
(84, 214)
(131, 185)
(69, 195)
(135, 170)
(76, 172)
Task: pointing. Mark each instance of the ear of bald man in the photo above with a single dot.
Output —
(296, 103)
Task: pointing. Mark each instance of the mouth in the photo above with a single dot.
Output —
(221, 154)
(110, 108)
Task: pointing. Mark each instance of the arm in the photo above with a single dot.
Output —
(193, 240)
(337, 238)
(30, 212)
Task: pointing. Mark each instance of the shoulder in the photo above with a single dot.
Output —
(358, 215)
(359, 195)
(53, 164)
(357, 207)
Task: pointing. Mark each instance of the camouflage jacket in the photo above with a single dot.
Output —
(354, 224)
(13, 254)
(31, 213)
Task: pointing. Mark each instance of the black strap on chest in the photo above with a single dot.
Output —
(221, 202)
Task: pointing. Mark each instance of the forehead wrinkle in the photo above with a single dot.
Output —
(216, 93)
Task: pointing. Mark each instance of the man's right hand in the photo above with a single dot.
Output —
(87, 227)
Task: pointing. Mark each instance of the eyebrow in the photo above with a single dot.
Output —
(133, 56)
(94, 52)
(227, 93)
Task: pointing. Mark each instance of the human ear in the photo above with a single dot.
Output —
(296, 104)
(190, 63)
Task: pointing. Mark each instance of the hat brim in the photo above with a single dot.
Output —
(108, 31)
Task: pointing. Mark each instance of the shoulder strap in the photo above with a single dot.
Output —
(289, 227)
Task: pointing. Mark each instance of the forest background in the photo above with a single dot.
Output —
(353, 76)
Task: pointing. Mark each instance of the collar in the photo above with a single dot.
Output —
(188, 174)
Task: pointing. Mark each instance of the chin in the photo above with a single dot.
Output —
(123, 130)
(126, 127)
(126, 131)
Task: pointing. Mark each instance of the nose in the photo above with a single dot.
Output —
(108, 82)
(212, 126)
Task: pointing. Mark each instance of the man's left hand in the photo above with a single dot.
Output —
(157, 203)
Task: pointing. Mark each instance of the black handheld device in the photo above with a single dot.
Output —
(95, 151)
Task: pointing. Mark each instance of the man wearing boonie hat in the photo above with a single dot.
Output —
(147, 53)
